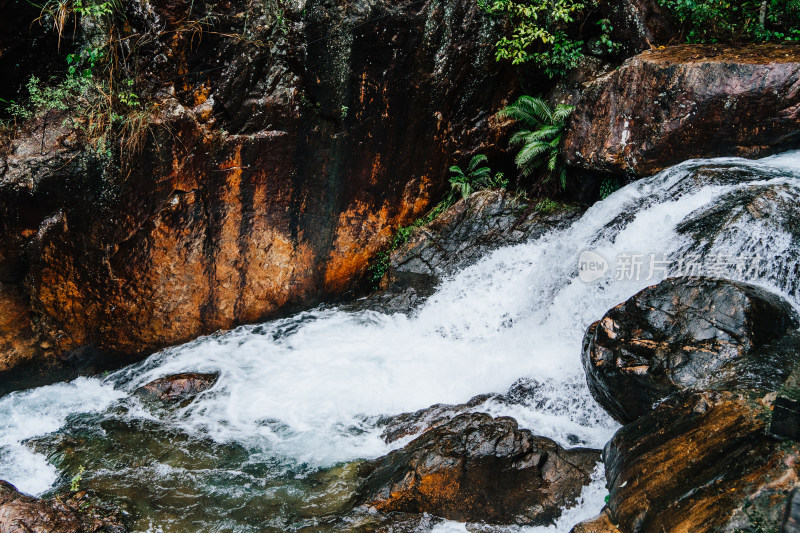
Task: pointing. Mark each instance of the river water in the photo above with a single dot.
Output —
(274, 445)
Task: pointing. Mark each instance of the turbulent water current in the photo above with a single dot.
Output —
(272, 446)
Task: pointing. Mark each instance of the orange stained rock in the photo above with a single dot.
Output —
(361, 232)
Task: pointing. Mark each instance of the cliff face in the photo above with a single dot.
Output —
(288, 141)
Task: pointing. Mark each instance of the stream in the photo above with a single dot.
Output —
(274, 445)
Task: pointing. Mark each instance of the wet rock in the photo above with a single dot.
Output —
(24, 514)
(478, 468)
(689, 333)
(599, 524)
(791, 514)
(177, 387)
(765, 210)
(380, 523)
(273, 171)
(665, 106)
(568, 89)
(472, 227)
(700, 462)
(463, 233)
(556, 398)
(405, 424)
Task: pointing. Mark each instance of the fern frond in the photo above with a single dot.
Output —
(561, 113)
(530, 157)
(475, 161)
(520, 138)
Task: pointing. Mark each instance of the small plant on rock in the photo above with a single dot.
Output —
(478, 176)
(75, 482)
(539, 140)
(463, 183)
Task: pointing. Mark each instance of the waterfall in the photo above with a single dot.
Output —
(300, 397)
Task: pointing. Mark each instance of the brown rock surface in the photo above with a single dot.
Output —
(24, 514)
(665, 106)
(599, 524)
(479, 468)
(700, 462)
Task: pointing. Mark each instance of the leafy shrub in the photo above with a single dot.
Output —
(539, 140)
(545, 32)
(712, 21)
(608, 187)
(548, 205)
(97, 95)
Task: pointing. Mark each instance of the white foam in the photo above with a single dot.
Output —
(36, 412)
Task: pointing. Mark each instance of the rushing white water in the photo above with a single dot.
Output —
(305, 392)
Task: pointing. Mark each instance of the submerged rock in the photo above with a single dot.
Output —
(689, 333)
(700, 462)
(479, 468)
(24, 514)
(665, 106)
(177, 387)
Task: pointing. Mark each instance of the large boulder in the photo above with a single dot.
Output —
(75, 514)
(470, 228)
(689, 333)
(700, 462)
(479, 468)
(665, 106)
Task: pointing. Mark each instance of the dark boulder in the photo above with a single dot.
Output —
(700, 462)
(74, 514)
(665, 106)
(478, 468)
(762, 208)
(396, 427)
(554, 396)
(177, 387)
(791, 514)
(689, 333)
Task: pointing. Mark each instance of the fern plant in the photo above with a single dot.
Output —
(539, 139)
(463, 183)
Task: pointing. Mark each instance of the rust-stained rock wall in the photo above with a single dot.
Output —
(665, 106)
(288, 141)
